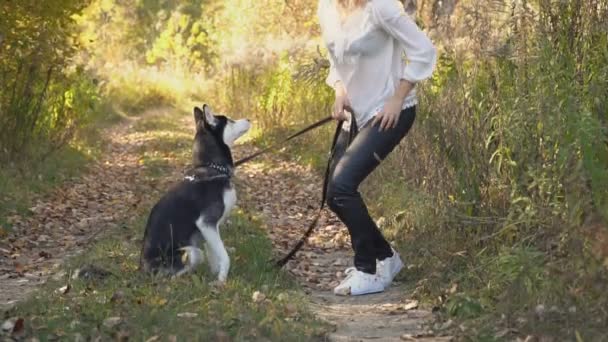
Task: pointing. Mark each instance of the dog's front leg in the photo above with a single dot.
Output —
(224, 263)
(220, 259)
(214, 263)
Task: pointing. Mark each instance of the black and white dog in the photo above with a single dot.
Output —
(195, 208)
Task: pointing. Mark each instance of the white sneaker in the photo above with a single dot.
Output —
(359, 283)
(388, 268)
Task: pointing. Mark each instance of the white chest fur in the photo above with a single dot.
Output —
(229, 202)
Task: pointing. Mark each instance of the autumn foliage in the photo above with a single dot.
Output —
(501, 187)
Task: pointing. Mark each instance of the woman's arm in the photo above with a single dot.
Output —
(419, 51)
(403, 89)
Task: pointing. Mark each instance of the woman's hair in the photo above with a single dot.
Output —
(347, 6)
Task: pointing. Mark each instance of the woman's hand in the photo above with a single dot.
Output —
(389, 115)
(340, 103)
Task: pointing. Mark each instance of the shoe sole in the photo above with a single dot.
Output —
(379, 288)
(368, 291)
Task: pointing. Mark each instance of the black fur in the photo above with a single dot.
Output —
(171, 224)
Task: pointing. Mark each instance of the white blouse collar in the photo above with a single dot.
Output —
(339, 35)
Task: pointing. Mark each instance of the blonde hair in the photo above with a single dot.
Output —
(345, 7)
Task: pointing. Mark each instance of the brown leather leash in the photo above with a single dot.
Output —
(293, 136)
(352, 133)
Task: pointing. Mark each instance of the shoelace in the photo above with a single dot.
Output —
(349, 272)
(382, 264)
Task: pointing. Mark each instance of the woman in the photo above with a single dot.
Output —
(366, 41)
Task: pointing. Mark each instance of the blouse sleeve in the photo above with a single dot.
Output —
(419, 50)
(333, 76)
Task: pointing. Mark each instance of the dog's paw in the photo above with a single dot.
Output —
(218, 284)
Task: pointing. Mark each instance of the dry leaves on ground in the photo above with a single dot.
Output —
(64, 223)
(287, 195)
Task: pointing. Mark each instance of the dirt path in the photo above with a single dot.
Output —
(284, 193)
(287, 195)
(65, 222)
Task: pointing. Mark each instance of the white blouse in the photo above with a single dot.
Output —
(366, 53)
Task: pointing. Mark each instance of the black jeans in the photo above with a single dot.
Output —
(351, 164)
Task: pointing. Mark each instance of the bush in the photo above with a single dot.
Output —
(133, 88)
(507, 165)
(42, 98)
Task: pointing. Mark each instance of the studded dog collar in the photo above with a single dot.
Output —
(208, 171)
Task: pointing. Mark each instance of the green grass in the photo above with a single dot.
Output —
(485, 287)
(151, 306)
(488, 288)
(20, 184)
(188, 308)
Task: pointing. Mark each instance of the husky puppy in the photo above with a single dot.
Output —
(194, 209)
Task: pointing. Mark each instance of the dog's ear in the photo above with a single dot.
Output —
(199, 117)
(209, 117)
(204, 117)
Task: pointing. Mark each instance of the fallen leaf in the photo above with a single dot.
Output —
(117, 297)
(8, 325)
(44, 254)
(221, 336)
(291, 310)
(447, 324)
(503, 333)
(111, 321)
(19, 268)
(64, 289)
(158, 301)
(411, 305)
(417, 336)
(540, 311)
(187, 314)
(19, 326)
(121, 336)
(258, 297)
